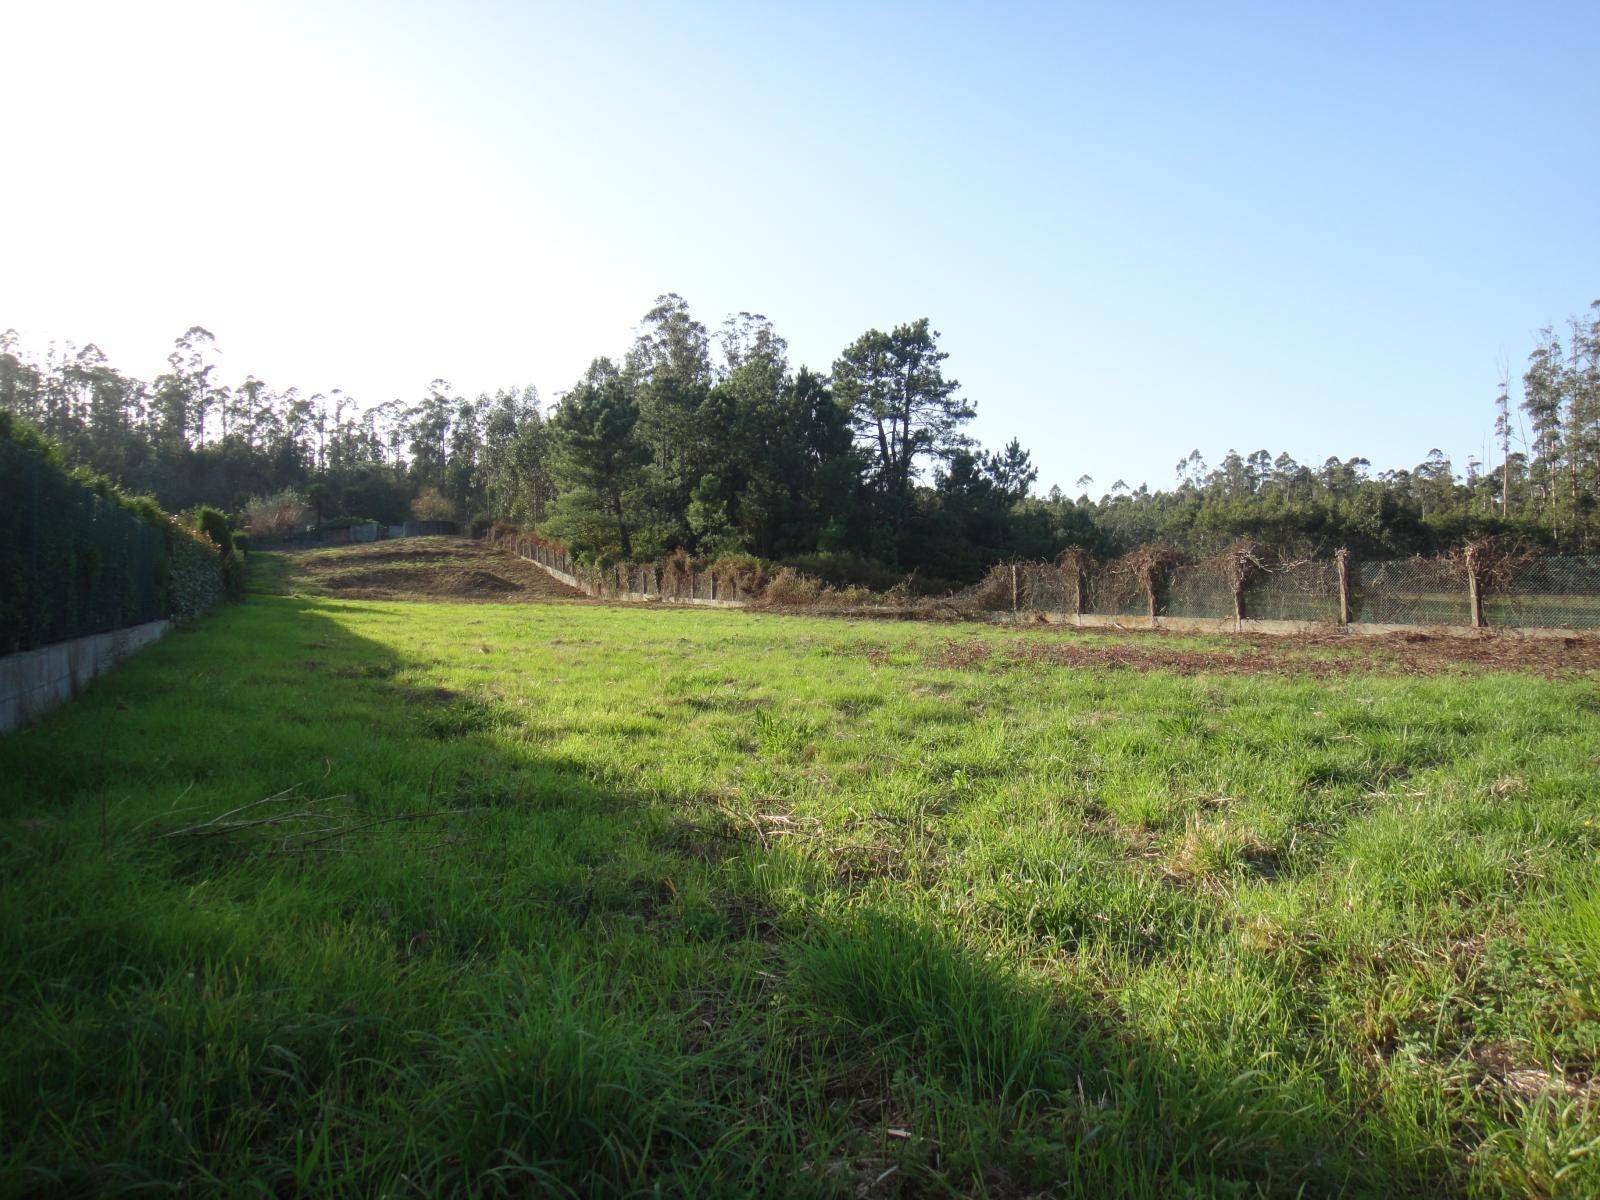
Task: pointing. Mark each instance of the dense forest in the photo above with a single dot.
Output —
(716, 443)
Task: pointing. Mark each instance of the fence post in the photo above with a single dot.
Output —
(1013, 587)
(1474, 588)
(1341, 564)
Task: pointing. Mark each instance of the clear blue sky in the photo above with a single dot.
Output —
(1140, 230)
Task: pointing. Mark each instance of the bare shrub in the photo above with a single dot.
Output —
(1142, 573)
(992, 593)
(739, 576)
(677, 575)
(789, 588)
(1075, 565)
(1497, 560)
(275, 515)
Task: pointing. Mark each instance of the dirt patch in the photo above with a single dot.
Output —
(370, 557)
(435, 568)
(1498, 1068)
(1317, 655)
(1424, 653)
(966, 655)
(443, 581)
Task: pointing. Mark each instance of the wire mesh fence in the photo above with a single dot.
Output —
(1199, 589)
(1115, 593)
(1306, 590)
(1411, 591)
(71, 562)
(1547, 593)
(1047, 589)
(1525, 592)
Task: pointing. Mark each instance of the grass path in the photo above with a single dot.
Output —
(585, 900)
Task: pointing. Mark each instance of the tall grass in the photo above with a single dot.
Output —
(611, 902)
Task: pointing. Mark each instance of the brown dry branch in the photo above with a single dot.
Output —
(1147, 569)
(902, 593)
(790, 589)
(677, 575)
(1075, 564)
(1498, 560)
(762, 828)
(993, 593)
(738, 576)
(234, 821)
(1240, 565)
(1246, 561)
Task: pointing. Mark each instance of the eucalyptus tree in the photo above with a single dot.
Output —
(515, 468)
(670, 371)
(1544, 402)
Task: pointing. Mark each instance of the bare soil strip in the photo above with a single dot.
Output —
(455, 569)
(1318, 655)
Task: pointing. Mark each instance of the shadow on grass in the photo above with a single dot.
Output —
(509, 977)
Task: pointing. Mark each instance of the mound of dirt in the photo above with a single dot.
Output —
(432, 568)
(374, 557)
(442, 581)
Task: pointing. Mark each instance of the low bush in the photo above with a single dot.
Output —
(216, 526)
(196, 578)
(433, 505)
(845, 570)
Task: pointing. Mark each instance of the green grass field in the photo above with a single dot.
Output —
(583, 900)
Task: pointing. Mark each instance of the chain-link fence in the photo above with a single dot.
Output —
(1546, 593)
(1199, 589)
(1411, 591)
(1307, 590)
(1047, 589)
(71, 562)
(1115, 593)
(1524, 592)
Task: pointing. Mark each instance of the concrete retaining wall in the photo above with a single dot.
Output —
(573, 581)
(556, 573)
(35, 681)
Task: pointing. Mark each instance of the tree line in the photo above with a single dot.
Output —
(715, 443)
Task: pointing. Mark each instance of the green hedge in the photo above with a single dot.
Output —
(77, 557)
(195, 577)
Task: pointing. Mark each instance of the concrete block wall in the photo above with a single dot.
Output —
(35, 681)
